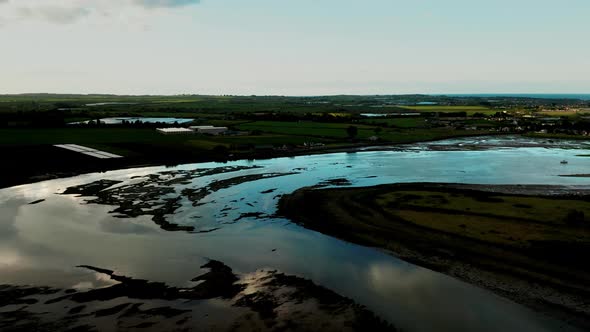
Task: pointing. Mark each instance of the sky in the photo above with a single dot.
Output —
(294, 47)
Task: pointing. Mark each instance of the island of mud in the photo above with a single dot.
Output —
(157, 195)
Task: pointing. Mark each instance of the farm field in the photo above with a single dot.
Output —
(470, 110)
(335, 130)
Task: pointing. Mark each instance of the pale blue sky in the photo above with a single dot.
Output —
(288, 47)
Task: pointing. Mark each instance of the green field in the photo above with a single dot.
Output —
(83, 136)
(398, 122)
(420, 135)
(337, 131)
(276, 133)
(497, 219)
(329, 130)
(442, 108)
(470, 110)
(170, 105)
(124, 141)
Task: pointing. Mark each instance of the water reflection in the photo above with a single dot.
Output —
(447, 304)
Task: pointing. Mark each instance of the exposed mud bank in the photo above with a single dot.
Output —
(549, 274)
(264, 300)
(155, 194)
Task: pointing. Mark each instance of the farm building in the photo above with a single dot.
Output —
(210, 130)
(175, 131)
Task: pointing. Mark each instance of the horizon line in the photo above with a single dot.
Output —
(492, 94)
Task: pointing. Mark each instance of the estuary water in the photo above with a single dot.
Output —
(41, 244)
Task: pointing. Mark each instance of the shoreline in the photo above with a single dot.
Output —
(101, 166)
(534, 284)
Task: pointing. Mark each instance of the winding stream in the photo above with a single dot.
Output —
(41, 244)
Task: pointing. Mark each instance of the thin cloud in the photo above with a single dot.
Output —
(54, 14)
(166, 3)
(66, 12)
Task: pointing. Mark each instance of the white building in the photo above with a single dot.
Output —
(175, 131)
(196, 128)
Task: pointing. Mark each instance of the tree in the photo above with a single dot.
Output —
(352, 131)
(378, 130)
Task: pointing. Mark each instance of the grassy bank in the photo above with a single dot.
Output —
(532, 239)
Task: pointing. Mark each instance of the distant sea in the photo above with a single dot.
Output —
(585, 96)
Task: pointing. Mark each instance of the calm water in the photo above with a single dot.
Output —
(41, 244)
